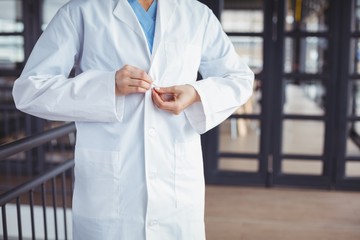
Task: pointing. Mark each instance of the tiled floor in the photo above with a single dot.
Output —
(237, 213)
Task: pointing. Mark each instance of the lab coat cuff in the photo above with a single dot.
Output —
(196, 112)
(119, 101)
(120, 104)
(196, 117)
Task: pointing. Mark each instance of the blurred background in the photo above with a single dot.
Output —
(297, 138)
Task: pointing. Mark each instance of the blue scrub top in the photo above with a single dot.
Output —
(147, 20)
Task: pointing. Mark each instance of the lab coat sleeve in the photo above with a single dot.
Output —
(45, 90)
(227, 82)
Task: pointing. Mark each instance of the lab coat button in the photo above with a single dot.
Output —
(153, 223)
(152, 132)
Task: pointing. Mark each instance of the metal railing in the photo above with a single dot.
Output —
(36, 189)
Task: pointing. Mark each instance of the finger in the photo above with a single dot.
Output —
(137, 73)
(159, 102)
(130, 86)
(130, 90)
(156, 98)
(134, 89)
(165, 97)
(171, 90)
(164, 105)
(139, 83)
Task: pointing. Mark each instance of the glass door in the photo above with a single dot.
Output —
(237, 151)
(305, 121)
(348, 156)
(301, 126)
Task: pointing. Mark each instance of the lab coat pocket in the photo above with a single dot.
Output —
(189, 175)
(97, 187)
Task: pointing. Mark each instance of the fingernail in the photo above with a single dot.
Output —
(156, 87)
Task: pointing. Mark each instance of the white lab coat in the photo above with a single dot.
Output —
(138, 169)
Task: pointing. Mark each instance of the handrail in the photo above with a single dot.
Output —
(37, 181)
(24, 144)
(30, 142)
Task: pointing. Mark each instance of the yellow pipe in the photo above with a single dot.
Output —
(298, 9)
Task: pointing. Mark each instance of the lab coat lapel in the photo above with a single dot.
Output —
(124, 13)
(164, 13)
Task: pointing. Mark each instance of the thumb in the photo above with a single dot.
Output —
(165, 89)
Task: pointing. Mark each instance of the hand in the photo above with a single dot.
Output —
(130, 79)
(176, 98)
